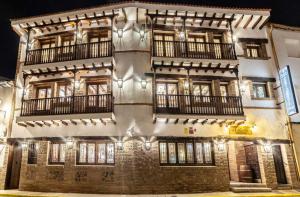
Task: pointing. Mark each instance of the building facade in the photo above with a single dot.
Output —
(148, 98)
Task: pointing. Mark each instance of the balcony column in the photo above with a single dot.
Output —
(232, 40)
(185, 37)
(23, 93)
(190, 91)
(154, 89)
(240, 101)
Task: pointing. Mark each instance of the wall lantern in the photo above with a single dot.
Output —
(147, 145)
(143, 84)
(221, 144)
(120, 83)
(69, 143)
(120, 145)
(77, 84)
(24, 145)
(182, 35)
(186, 84)
(254, 127)
(268, 147)
(120, 33)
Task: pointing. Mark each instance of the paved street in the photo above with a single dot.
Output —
(279, 193)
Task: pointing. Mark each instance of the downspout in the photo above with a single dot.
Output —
(290, 132)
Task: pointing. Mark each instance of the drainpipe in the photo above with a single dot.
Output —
(288, 119)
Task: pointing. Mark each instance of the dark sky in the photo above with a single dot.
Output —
(283, 11)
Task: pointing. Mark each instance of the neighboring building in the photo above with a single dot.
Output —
(6, 108)
(148, 98)
(286, 42)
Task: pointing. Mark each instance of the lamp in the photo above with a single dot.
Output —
(120, 145)
(186, 84)
(221, 144)
(69, 143)
(142, 33)
(120, 33)
(143, 83)
(182, 35)
(268, 147)
(226, 129)
(120, 83)
(77, 84)
(147, 145)
(254, 127)
(24, 145)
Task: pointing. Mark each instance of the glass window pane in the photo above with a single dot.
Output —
(199, 152)
(110, 153)
(91, 153)
(172, 152)
(163, 152)
(190, 152)
(181, 152)
(207, 152)
(101, 153)
(196, 90)
(172, 89)
(82, 153)
(102, 88)
(205, 90)
(92, 90)
(223, 90)
(55, 152)
(161, 88)
(62, 152)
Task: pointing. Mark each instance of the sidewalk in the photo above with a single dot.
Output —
(276, 193)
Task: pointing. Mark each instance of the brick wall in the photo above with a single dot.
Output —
(136, 171)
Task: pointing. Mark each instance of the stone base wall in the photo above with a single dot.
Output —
(136, 171)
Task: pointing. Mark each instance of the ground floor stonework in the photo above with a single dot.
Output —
(167, 165)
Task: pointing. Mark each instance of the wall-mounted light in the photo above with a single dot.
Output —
(120, 32)
(226, 128)
(221, 144)
(267, 147)
(182, 35)
(69, 143)
(143, 84)
(24, 145)
(77, 84)
(147, 145)
(120, 145)
(254, 127)
(120, 83)
(186, 84)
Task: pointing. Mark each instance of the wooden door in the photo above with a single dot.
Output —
(279, 166)
(15, 166)
(252, 161)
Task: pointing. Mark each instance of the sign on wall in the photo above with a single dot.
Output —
(240, 130)
(288, 91)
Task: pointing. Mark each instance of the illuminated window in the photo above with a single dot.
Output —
(186, 153)
(57, 153)
(93, 153)
(32, 153)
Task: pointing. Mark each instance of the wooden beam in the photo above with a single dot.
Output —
(214, 121)
(256, 22)
(73, 122)
(22, 124)
(38, 123)
(220, 22)
(204, 121)
(93, 122)
(185, 121)
(195, 121)
(64, 123)
(167, 120)
(212, 20)
(84, 122)
(55, 123)
(176, 121)
(248, 22)
(102, 121)
(46, 123)
(30, 124)
(264, 23)
(239, 21)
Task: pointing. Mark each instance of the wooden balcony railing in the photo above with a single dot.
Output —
(68, 105)
(199, 105)
(69, 53)
(197, 50)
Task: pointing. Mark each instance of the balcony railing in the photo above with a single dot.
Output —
(68, 105)
(69, 53)
(199, 105)
(197, 50)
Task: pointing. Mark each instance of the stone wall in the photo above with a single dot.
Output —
(136, 171)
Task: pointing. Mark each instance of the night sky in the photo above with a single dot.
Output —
(283, 11)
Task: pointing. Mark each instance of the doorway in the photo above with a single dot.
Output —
(243, 162)
(279, 165)
(14, 166)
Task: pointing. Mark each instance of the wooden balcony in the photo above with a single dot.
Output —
(193, 50)
(69, 53)
(68, 105)
(199, 105)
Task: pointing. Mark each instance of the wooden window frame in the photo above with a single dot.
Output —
(88, 83)
(96, 153)
(65, 84)
(32, 153)
(185, 141)
(50, 162)
(202, 83)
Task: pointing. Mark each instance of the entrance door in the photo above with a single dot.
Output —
(279, 167)
(14, 167)
(252, 161)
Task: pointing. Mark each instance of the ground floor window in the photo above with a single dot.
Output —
(57, 153)
(32, 153)
(91, 153)
(186, 152)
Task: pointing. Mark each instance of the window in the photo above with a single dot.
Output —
(202, 89)
(65, 90)
(32, 153)
(254, 48)
(95, 153)
(96, 94)
(196, 43)
(224, 90)
(57, 153)
(260, 90)
(186, 153)
(164, 45)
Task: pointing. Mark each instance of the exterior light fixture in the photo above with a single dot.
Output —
(186, 84)
(226, 129)
(69, 143)
(268, 147)
(254, 127)
(142, 33)
(182, 35)
(120, 145)
(147, 145)
(221, 144)
(77, 84)
(120, 83)
(120, 33)
(143, 84)
(24, 145)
